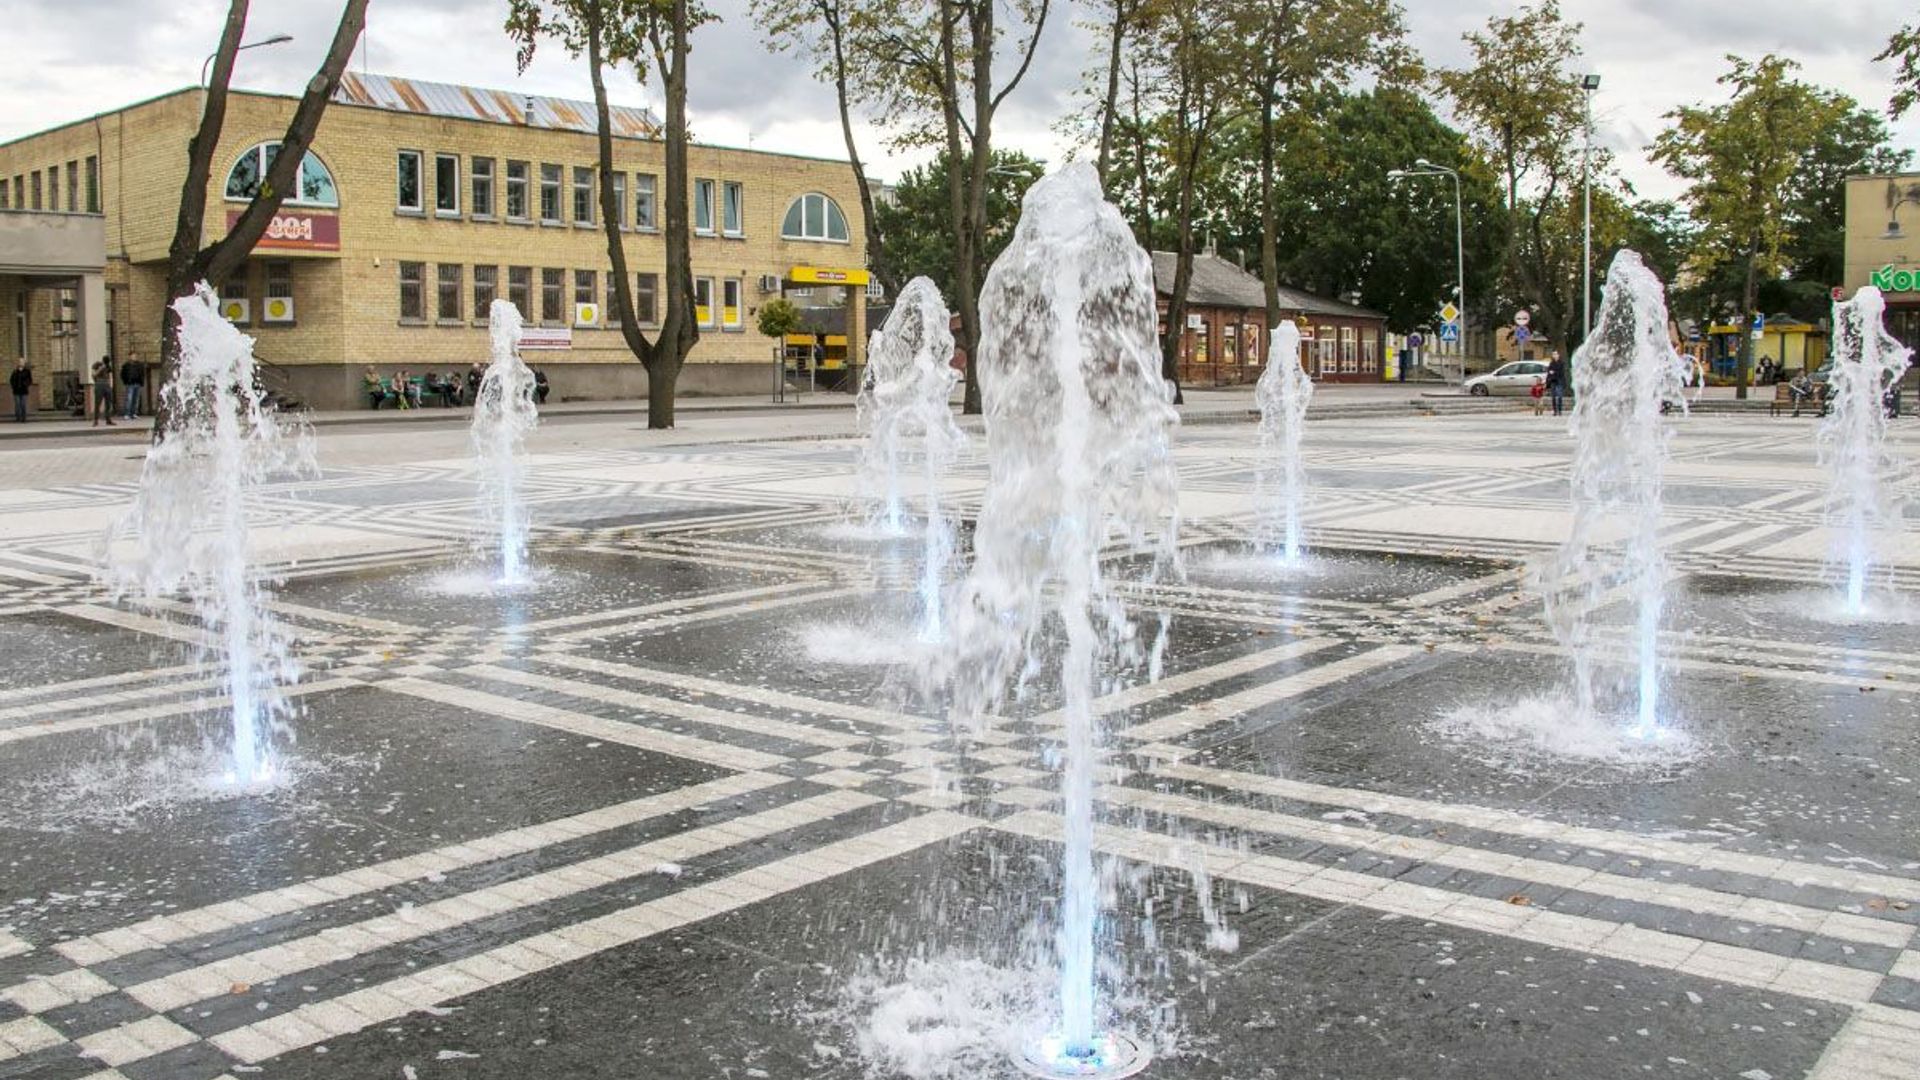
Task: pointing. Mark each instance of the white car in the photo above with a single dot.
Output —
(1516, 377)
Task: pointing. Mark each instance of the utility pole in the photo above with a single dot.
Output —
(1588, 84)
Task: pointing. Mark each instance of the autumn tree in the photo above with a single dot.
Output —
(1522, 107)
(650, 35)
(918, 226)
(190, 260)
(1740, 159)
(833, 35)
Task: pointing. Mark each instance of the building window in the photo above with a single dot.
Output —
(620, 200)
(449, 298)
(5, 203)
(36, 190)
(584, 289)
(1349, 350)
(279, 287)
(582, 196)
(446, 185)
(735, 207)
(516, 191)
(486, 286)
(813, 216)
(93, 185)
(482, 187)
(703, 207)
(19, 192)
(234, 302)
(413, 304)
(703, 310)
(316, 187)
(610, 307)
(520, 289)
(1369, 358)
(407, 175)
(553, 288)
(730, 312)
(73, 187)
(53, 187)
(644, 205)
(646, 299)
(550, 194)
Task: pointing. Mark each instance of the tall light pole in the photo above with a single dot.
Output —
(1423, 167)
(277, 39)
(1588, 84)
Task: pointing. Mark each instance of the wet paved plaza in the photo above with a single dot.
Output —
(674, 813)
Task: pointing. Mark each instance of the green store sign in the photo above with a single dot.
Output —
(1887, 279)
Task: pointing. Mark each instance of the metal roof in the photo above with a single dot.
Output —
(1219, 283)
(493, 106)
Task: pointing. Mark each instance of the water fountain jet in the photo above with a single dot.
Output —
(1283, 393)
(189, 530)
(1853, 453)
(503, 415)
(1079, 432)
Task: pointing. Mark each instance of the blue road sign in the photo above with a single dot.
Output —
(1521, 333)
(1450, 332)
(1414, 341)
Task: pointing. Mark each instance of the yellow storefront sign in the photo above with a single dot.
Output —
(827, 275)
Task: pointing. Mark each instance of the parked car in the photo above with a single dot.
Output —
(1516, 377)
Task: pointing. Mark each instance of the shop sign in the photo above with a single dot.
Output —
(827, 275)
(296, 231)
(546, 337)
(1887, 279)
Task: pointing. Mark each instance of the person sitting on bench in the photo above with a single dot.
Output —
(375, 386)
(1802, 389)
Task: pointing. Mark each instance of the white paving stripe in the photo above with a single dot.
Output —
(12, 946)
(1220, 710)
(667, 621)
(345, 942)
(143, 624)
(1505, 579)
(385, 1002)
(635, 735)
(1513, 823)
(1877, 1043)
(163, 930)
(1621, 941)
(1692, 898)
(115, 718)
(758, 695)
(681, 603)
(27, 1035)
(782, 729)
(109, 700)
(1181, 682)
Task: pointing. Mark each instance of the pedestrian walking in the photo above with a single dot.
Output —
(103, 391)
(133, 376)
(1556, 381)
(20, 381)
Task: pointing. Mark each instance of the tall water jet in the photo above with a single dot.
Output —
(1079, 433)
(1624, 376)
(188, 525)
(1282, 394)
(503, 415)
(904, 404)
(1866, 361)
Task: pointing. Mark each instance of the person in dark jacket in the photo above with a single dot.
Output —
(20, 381)
(103, 391)
(540, 386)
(1557, 381)
(133, 376)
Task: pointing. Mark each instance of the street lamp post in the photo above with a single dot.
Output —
(1423, 167)
(1588, 84)
(277, 39)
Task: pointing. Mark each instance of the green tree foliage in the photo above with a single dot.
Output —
(1741, 160)
(917, 222)
(1904, 49)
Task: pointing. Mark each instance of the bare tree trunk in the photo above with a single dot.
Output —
(1269, 219)
(1117, 37)
(1744, 373)
(877, 264)
(969, 309)
(1177, 296)
(678, 330)
(610, 209)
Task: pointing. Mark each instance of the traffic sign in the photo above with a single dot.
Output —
(1838, 294)
(1520, 333)
(1449, 332)
(1521, 318)
(1759, 327)
(1414, 341)
(1449, 313)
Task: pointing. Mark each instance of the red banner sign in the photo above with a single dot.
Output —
(296, 231)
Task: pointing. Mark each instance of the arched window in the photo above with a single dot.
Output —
(314, 189)
(813, 216)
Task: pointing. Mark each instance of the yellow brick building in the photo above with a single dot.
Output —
(419, 204)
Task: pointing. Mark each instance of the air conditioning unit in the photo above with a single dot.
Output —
(279, 309)
(769, 283)
(586, 314)
(236, 310)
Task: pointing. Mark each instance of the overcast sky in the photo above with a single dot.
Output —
(73, 58)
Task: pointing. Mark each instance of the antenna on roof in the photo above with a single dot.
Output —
(528, 114)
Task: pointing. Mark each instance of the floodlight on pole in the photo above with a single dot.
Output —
(1423, 167)
(1588, 84)
(277, 39)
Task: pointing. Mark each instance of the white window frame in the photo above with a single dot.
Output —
(712, 321)
(828, 209)
(703, 199)
(526, 192)
(738, 287)
(559, 184)
(583, 184)
(419, 182)
(489, 177)
(443, 211)
(620, 200)
(647, 184)
(733, 209)
(258, 151)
